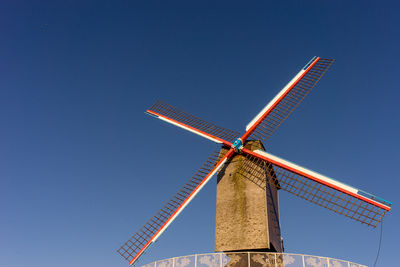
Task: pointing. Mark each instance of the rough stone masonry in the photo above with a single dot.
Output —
(247, 214)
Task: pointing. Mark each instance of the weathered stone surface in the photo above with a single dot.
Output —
(247, 215)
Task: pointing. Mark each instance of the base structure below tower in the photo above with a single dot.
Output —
(252, 259)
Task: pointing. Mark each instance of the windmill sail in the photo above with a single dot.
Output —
(314, 187)
(141, 240)
(191, 123)
(279, 108)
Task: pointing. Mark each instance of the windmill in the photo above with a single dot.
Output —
(262, 168)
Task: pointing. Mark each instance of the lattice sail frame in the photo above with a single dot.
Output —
(192, 123)
(148, 234)
(311, 190)
(279, 108)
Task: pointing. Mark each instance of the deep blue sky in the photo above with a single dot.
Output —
(82, 167)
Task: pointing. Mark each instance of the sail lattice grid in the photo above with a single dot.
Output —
(140, 239)
(311, 190)
(289, 103)
(180, 116)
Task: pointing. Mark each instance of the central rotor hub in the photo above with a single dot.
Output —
(238, 145)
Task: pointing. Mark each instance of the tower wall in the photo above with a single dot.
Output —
(247, 215)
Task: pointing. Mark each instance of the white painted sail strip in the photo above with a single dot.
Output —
(309, 172)
(272, 102)
(190, 130)
(180, 209)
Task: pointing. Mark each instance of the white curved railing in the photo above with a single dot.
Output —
(252, 259)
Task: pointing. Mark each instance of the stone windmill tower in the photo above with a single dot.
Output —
(249, 178)
(247, 213)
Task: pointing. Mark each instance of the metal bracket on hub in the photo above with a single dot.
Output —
(237, 145)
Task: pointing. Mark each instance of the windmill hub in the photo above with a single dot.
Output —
(238, 145)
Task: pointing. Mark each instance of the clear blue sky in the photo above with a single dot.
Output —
(82, 167)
